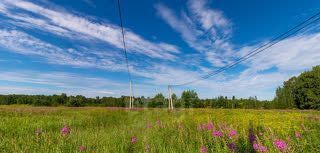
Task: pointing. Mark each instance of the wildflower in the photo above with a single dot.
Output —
(38, 131)
(210, 126)
(251, 136)
(65, 130)
(233, 133)
(203, 149)
(260, 133)
(159, 123)
(133, 139)
(280, 144)
(231, 146)
(255, 146)
(149, 125)
(288, 138)
(82, 148)
(298, 135)
(259, 148)
(217, 134)
(202, 127)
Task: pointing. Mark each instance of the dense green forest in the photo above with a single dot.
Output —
(301, 92)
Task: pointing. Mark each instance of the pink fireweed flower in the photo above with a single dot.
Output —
(133, 139)
(82, 148)
(259, 148)
(203, 149)
(217, 134)
(233, 133)
(298, 135)
(38, 131)
(210, 126)
(280, 144)
(65, 130)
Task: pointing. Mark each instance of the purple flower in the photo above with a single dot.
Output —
(210, 126)
(233, 133)
(251, 136)
(259, 148)
(38, 131)
(231, 146)
(203, 149)
(217, 134)
(133, 139)
(280, 144)
(65, 130)
(82, 148)
(298, 135)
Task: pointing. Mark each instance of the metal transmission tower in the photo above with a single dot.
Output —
(131, 99)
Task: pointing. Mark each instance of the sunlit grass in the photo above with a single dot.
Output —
(37, 129)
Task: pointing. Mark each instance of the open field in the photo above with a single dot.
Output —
(40, 129)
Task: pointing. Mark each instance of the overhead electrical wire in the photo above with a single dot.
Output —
(123, 40)
(126, 55)
(260, 49)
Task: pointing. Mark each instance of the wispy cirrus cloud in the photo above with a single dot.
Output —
(210, 38)
(23, 43)
(58, 82)
(67, 24)
(203, 28)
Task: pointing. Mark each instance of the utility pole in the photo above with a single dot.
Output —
(170, 105)
(131, 96)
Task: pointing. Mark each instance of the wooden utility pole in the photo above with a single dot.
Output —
(131, 96)
(170, 105)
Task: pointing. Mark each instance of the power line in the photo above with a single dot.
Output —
(262, 48)
(123, 40)
(126, 55)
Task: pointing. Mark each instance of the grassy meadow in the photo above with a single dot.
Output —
(26, 129)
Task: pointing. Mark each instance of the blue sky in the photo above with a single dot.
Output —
(74, 47)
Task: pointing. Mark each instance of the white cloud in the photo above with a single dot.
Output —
(58, 82)
(210, 38)
(23, 43)
(268, 70)
(294, 54)
(212, 20)
(70, 25)
(289, 57)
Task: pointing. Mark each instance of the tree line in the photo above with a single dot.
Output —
(302, 92)
(189, 99)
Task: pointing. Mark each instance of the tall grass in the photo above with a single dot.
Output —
(37, 129)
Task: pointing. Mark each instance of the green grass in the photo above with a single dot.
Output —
(106, 130)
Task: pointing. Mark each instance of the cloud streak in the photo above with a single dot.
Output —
(210, 39)
(66, 24)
